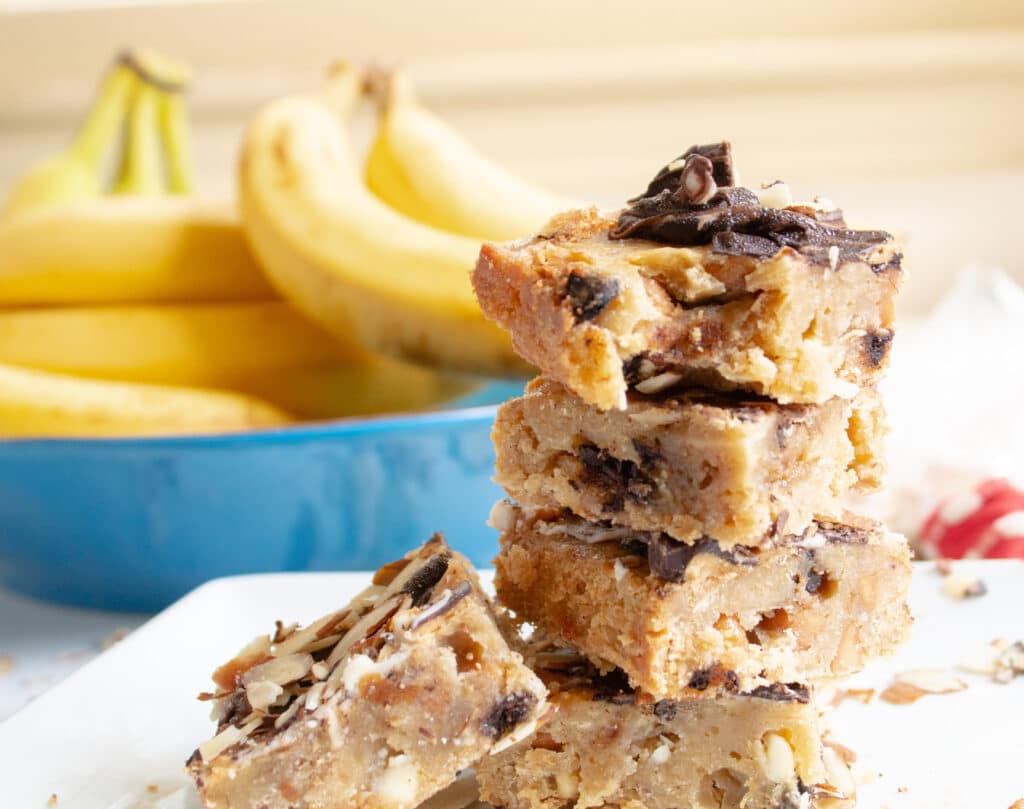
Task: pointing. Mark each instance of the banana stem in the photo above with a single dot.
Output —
(142, 170)
(177, 143)
(105, 118)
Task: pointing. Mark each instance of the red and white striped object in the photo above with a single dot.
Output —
(983, 522)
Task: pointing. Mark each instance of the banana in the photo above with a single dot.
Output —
(127, 250)
(346, 259)
(421, 167)
(76, 173)
(374, 386)
(40, 404)
(211, 345)
(142, 170)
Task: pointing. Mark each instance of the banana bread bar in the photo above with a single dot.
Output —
(682, 618)
(609, 746)
(699, 282)
(691, 464)
(379, 704)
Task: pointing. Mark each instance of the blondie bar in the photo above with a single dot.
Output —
(690, 464)
(609, 746)
(679, 619)
(698, 282)
(379, 704)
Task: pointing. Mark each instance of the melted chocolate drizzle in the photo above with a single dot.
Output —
(731, 220)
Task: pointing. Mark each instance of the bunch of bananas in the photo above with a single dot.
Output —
(128, 306)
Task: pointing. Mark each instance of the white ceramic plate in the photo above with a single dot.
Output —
(115, 734)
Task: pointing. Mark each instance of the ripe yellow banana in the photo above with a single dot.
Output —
(76, 173)
(373, 386)
(349, 261)
(41, 404)
(127, 250)
(421, 167)
(211, 345)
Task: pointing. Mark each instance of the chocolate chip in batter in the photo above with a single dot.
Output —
(781, 692)
(815, 576)
(507, 714)
(668, 558)
(666, 709)
(621, 479)
(876, 346)
(590, 294)
(714, 676)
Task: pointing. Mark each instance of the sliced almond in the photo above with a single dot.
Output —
(901, 694)
(301, 640)
(280, 670)
(932, 681)
(656, 384)
(231, 735)
(283, 719)
(363, 626)
(838, 772)
(262, 693)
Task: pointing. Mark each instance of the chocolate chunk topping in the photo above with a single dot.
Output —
(589, 294)
(668, 558)
(697, 182)
(781, 692)
(678, 209)
(443, 606)
(876, 346)
(422, 582)
(666, 709)
(719, 155)
(622, 479)
(729, 243)
(236, 708)
(507, 714)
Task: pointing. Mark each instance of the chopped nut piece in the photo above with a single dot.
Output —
(932, 681)
(956, 586)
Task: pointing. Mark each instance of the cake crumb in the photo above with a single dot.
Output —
(6, 664)
(52, 801)
(152, 788)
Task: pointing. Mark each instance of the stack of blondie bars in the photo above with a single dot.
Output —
(676, 535)
(676, 539)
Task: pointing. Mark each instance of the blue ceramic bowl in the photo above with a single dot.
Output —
(133, 524)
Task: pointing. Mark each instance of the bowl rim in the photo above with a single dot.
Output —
(311, 430)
